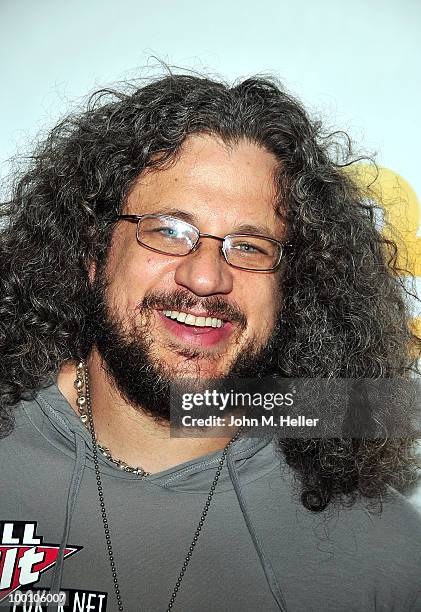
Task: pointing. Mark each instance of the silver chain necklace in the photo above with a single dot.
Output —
(85, 407)
(82, 403)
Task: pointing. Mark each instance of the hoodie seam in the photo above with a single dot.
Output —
(61, 450)
(66, 452)
(220, 491)
(192, 467)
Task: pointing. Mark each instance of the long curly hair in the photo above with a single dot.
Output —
(345, 309)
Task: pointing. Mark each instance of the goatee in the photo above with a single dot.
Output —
(144, 381)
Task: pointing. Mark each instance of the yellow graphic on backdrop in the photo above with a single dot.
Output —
(401, 209)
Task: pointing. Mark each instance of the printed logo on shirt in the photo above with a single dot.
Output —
(24, 556)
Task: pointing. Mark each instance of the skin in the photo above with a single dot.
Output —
(220, 188)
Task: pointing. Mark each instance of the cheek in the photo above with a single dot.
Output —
(134, 277)
(264, 304)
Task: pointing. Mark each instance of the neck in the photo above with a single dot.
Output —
(129, 433)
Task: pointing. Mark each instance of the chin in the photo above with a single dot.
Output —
(197, 368)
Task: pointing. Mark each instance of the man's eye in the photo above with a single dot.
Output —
(167, 232)
(245, 247)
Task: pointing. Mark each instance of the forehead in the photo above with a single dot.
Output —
(211, 181)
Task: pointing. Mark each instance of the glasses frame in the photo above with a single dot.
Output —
(137, 218)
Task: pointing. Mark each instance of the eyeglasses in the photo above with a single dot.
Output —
(172, 236)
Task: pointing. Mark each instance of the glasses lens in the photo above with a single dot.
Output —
(166, 234)
(252, 252)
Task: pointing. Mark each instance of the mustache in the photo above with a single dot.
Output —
(182, 300)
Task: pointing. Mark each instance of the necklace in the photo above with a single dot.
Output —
(82, 381)
(82, 404)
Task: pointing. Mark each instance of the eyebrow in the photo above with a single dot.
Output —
(245, 228)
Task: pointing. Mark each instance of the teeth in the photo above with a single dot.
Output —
(190, 319)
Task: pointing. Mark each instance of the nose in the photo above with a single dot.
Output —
(205, 271)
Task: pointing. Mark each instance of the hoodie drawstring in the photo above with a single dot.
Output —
(264, 561)
(72, 494)
(73, 491)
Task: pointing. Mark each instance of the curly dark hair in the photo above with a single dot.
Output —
(345, 307)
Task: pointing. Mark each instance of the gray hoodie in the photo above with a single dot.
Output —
(259, 549)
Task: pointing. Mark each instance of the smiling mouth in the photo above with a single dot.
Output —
(193, 320)
(197, 329)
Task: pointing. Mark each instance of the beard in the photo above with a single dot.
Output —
(126, 348)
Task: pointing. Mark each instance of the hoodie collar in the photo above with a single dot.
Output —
(57, 421)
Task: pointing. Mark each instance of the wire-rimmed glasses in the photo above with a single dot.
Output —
(172, 236)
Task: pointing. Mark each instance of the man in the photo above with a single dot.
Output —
(188, 229)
